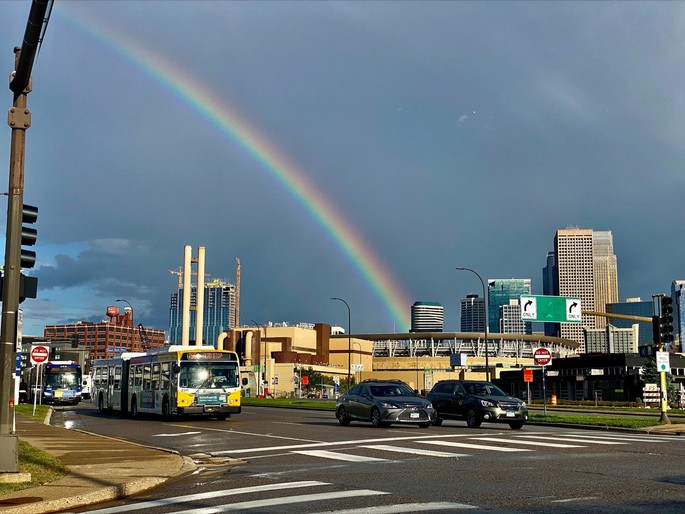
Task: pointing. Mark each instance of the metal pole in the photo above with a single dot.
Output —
(349, 340)
(485, 324)
(260, 385)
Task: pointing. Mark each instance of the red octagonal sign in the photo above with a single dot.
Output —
(542, 356)
(39, 354)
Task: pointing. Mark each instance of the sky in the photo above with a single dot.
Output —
(358, 150)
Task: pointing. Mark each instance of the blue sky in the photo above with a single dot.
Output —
(445, 133)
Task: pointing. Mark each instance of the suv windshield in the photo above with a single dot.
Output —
(391, 390)
(484, 389)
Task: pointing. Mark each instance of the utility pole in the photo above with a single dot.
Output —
(19, 120)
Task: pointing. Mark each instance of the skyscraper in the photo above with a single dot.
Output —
(585, 267)
(678, 296)
(427, 317)
(500, 292)
(219, 314)
(472, 314)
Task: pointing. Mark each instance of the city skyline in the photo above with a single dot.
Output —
(344, 149)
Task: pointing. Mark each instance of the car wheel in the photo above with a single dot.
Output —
(438, 421)
(516, 425)
(343, 419)
(424, 425)
(473, 419)
(376, 418)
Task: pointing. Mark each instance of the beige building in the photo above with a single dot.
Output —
(586, 268)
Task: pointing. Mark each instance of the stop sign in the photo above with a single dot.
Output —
(542, 356)
(39, 354)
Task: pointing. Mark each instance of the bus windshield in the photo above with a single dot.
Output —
(62, 378)
(209, 375)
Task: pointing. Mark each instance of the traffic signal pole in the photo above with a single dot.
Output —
(19, 119)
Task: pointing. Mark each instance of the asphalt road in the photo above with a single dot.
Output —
(303, 461)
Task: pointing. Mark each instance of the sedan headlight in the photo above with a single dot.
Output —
(486, 403)
(523, 404)
(389, 405)
(429, 406)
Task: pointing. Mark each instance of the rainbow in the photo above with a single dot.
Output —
(227, 120)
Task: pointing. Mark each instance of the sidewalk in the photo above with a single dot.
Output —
(100, 469)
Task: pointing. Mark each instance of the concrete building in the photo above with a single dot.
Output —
(472, 314)
(427, 317)
(611, 339)
(500, 293)
(510, 321)
(109, 337)
(219, 311)
(585, 267)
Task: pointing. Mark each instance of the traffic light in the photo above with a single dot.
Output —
(666, 320)
(29, 214)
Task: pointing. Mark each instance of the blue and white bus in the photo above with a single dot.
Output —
(55, 382)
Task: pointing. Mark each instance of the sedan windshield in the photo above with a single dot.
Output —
(484, 389)
(383, 390)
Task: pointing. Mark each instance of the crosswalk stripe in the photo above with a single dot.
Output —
(284, 500)
(476, 446)
(532, 443)
(338, 456)
(209, 495)
(570, 439)
(423, 453)
(401, 508)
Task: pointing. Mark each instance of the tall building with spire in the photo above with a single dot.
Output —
(585, 266)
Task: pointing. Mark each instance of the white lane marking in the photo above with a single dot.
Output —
(284, 500)
(176, 435)
(570, 439)
(622, 438)
(476, 446)
(532, 443)
(580, 499)
(339, 456)
(324, 444)
(401, 508)
(423, 453)
(209, 495)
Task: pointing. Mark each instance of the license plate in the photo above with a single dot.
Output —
(413, 415)
(511, 414)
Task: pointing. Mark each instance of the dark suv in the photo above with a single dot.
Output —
(383, 402)
(476, 401)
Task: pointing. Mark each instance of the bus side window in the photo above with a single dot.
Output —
(165, 376)
(117, 377)
(155, 376)
(147, 379)
(138, 375)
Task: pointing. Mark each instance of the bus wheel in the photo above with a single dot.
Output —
(134, 407)
(222, 417)
(165, 408)
(101, 403)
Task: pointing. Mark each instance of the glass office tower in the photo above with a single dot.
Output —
(500, 292)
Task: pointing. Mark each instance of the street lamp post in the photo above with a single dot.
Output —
(349, 340)
(485, 323)
(131, 327)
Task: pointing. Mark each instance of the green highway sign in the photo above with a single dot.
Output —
(551, 309)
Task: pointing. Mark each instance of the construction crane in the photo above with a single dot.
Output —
(179, 273)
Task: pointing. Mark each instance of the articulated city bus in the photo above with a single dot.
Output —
(54, 382)
(171, 381)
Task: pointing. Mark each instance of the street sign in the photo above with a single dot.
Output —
(357, 367)
(542, 356)
(39, 354)
(662, 362)
(527, 374)
(551, 309)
